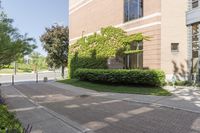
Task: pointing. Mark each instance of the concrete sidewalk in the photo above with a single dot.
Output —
(42, 119)
(183, 98)
(60, 108)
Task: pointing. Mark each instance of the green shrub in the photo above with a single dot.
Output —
(8, 67)
(183, 83)
(8, 121)
(94, 50)
(121, 76)
(27, 70)
(86, 62)
(180, 83)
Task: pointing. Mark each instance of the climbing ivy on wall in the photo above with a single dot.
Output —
(93, 51)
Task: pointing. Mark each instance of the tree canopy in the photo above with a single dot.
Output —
(13, 45)
(56, 41)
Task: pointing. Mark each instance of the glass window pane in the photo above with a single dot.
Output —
(136, 60)
(141, 8)
(133, 14)
(133, 9)
(126, 10)
(195, 46)
(195, 3)
(174, 47)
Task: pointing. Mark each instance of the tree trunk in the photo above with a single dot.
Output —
(63, 71)
(15, 67)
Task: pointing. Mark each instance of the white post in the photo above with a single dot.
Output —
(128, 61)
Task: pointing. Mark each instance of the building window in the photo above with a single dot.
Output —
(133, 61)
(195, 47)
(133, 9)
(195, 3)
(174, 47)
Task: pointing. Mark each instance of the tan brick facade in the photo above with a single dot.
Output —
(94, 16)
(90, 17)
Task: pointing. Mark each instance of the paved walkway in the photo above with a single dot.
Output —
(59, 108)
(42, 119)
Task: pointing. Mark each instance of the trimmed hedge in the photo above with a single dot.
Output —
(122, 76)
(85, 62)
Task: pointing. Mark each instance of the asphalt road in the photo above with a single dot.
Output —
(29, 77)
(104, 115)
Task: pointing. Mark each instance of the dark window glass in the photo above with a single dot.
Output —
(174, 47)
(133, 9)
(135, 60)
(126, 10)
(141, 8)
(195, 36)
(195, 47)
(195, 3)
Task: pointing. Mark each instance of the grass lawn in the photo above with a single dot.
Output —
(8, 121)
(117, 88)
(9, 71)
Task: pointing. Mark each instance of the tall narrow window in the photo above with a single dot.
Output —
(135, 60)
(195, 47)
(133, 9)
(195, 3)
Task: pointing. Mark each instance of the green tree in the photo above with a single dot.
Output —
(13, 45)
(38, 61)
(56, 41)
(34, 60)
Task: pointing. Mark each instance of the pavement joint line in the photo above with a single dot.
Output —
(25, 109)
(165, 106)
(14, 96)
(111, 101)
(63, 119)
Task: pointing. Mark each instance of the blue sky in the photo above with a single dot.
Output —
(32, 16)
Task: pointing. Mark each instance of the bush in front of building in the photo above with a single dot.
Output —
(77, 62)
(93, 51)
(180, 83)
(122, 76)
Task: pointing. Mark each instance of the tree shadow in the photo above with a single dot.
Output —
(179, 71)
